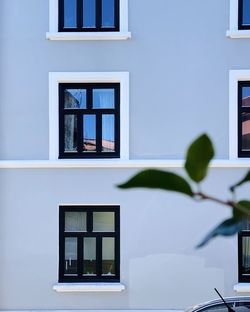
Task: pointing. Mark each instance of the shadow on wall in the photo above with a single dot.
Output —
(171, 281)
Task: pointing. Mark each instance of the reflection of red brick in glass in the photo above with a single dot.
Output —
(108, 146)
(246, 102)
(89, 145)
(246, 131)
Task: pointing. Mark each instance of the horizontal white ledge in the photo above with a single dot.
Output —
(117, 310)
(242, 287)
(108, 163)
(88, 35)
(86, 287)
(238, 34)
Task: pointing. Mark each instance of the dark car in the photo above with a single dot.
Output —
(237, 304)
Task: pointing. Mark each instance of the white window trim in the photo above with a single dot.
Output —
(84, 77)
(233, 31)
(88, 287)
(53, 33)
(234, 77)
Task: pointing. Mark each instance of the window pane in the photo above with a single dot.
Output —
(70, 133)
(89, 133)
(108, 256)
(246, 255)
(246, 12)
(245, 97)
(108, 13)
(103, 221)
(103, 98)
(89, 13)
(75, 98)
(70, 264)
(75, 221)
(70, 14)
(245, 131)
(89, 256)
(108, 133)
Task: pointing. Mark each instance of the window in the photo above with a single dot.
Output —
(88, 20)
(89, 123)
(239, 19)
(244, 14)
(239, 114)
(244, 119)
(88, 15)
(89, 242)
(89, 115)
(244, 255)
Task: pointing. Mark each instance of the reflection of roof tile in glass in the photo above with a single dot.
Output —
(246, 101)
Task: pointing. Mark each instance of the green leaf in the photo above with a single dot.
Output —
(228, 227)
(242, 209)
(158, 179)
(199, 154)
(244, 180)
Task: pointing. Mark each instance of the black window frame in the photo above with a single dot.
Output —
(79, 27)
(240, 16)
(80, 235)
(241, 110)
(241, 276)
(89, 111)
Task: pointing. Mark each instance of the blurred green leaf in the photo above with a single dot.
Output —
(244, 180)
(199, 154)
(243, 209)
(158, 179)
(226, 228)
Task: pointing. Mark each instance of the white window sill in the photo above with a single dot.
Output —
(88, 35)
(88, 287)
(238, 34)
(242, 287)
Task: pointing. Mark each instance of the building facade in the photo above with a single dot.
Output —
(91, 93)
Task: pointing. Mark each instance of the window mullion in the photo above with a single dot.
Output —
(99, 256)
(98, 132)
(80, 256)
(79, 14)
(80, 132)
(98, 14)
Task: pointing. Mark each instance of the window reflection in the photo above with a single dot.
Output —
(70, 13)
(75, 221)
(89, 133)
(89, 13)
(74, 98)
(108, 256)
(70, 263)
(246, 255)
(108, 133)
(70, 133)
(103, 221)
(89, 254)
(246, 12)
(103, 98)
(108, 13)
(246, 131)
(245, 96)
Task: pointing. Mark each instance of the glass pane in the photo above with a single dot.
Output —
(75, 98)
(89, 256)
(70, 264)
(108, 133)
(245, 131)
(103, 98)
(75, 221)
(245, 97)
(89, 13)
(103, 221)
(108, 13)
(70, 14)
(246, 12)
(108, 256)
(246, 255)
(89, 133)
(70, 133)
